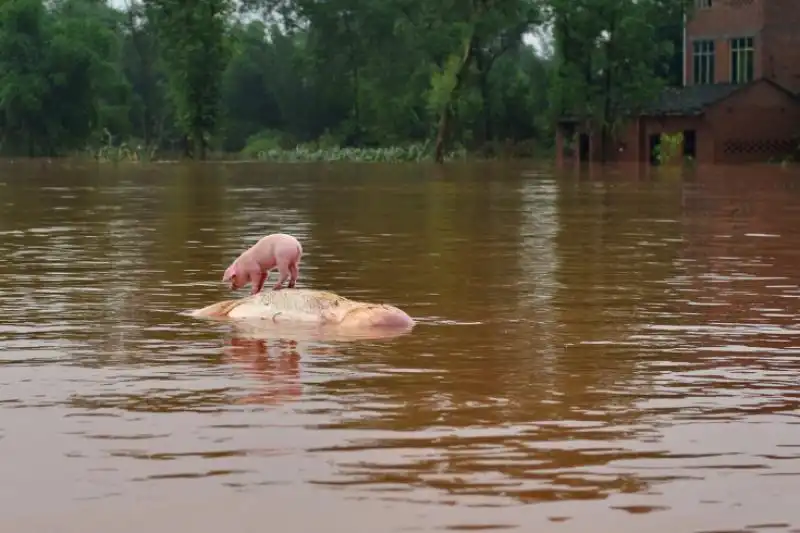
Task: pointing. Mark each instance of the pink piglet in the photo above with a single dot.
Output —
(253, 266)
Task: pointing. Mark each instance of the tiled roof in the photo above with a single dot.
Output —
(693, 99)
(689, 100)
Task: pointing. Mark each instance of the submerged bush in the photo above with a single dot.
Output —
(312, 152)
(265, 141)
(110, 152)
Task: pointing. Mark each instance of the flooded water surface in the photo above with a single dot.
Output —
(596, 352)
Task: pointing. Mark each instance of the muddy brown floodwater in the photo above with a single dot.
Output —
(611, 351)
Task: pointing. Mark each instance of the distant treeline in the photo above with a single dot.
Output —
(403, 78)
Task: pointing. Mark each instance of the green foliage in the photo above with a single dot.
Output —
(305, 80)
(443, 83)
(195, 53)
(613, 56)
(59, 76)
(669, 148)
(111, 152)
(313, 152)
(265, 141)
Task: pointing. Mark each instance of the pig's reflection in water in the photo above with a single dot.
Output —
(273, 362)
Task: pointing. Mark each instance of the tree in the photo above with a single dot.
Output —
(81, 75)
(194, 48)
(24, 35)
(610, 59)
(67, 54)
(149, 109)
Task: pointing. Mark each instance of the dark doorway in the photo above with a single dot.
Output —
(583, 147)
(690, 144)
(655, 145)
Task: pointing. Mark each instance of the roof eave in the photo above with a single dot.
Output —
(687, 113)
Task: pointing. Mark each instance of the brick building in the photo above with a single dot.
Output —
(740, 99)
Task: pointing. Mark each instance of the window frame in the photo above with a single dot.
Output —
(742, 57)
(704, 61)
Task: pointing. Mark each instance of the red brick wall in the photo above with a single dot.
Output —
(670, 125)
(722, 56)
(633, 142)
(773, 24)
(626, 147)
(727, 18)
(781, 52)
(760, 115)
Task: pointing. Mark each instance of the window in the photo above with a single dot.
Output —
(703, 62)
(742, 57)
(702, 4)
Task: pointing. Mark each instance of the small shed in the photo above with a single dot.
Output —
(721, 123)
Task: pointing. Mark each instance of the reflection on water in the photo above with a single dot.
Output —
(598, 351)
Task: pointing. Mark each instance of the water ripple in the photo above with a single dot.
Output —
(612, 354)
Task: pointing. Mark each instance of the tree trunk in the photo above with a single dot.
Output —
(441, 134)
(144, 52)
(604, 127)
(356, 104)
(445, 115)
(605, 130)
(486, 108)
(199, 145)
(483, 87)
(484, 61)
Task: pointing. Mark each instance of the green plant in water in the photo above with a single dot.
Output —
(669, 148)
(111, 153)
(313, 152)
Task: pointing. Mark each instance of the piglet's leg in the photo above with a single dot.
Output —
(283, 270)
(258, 282)
(293, 275)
